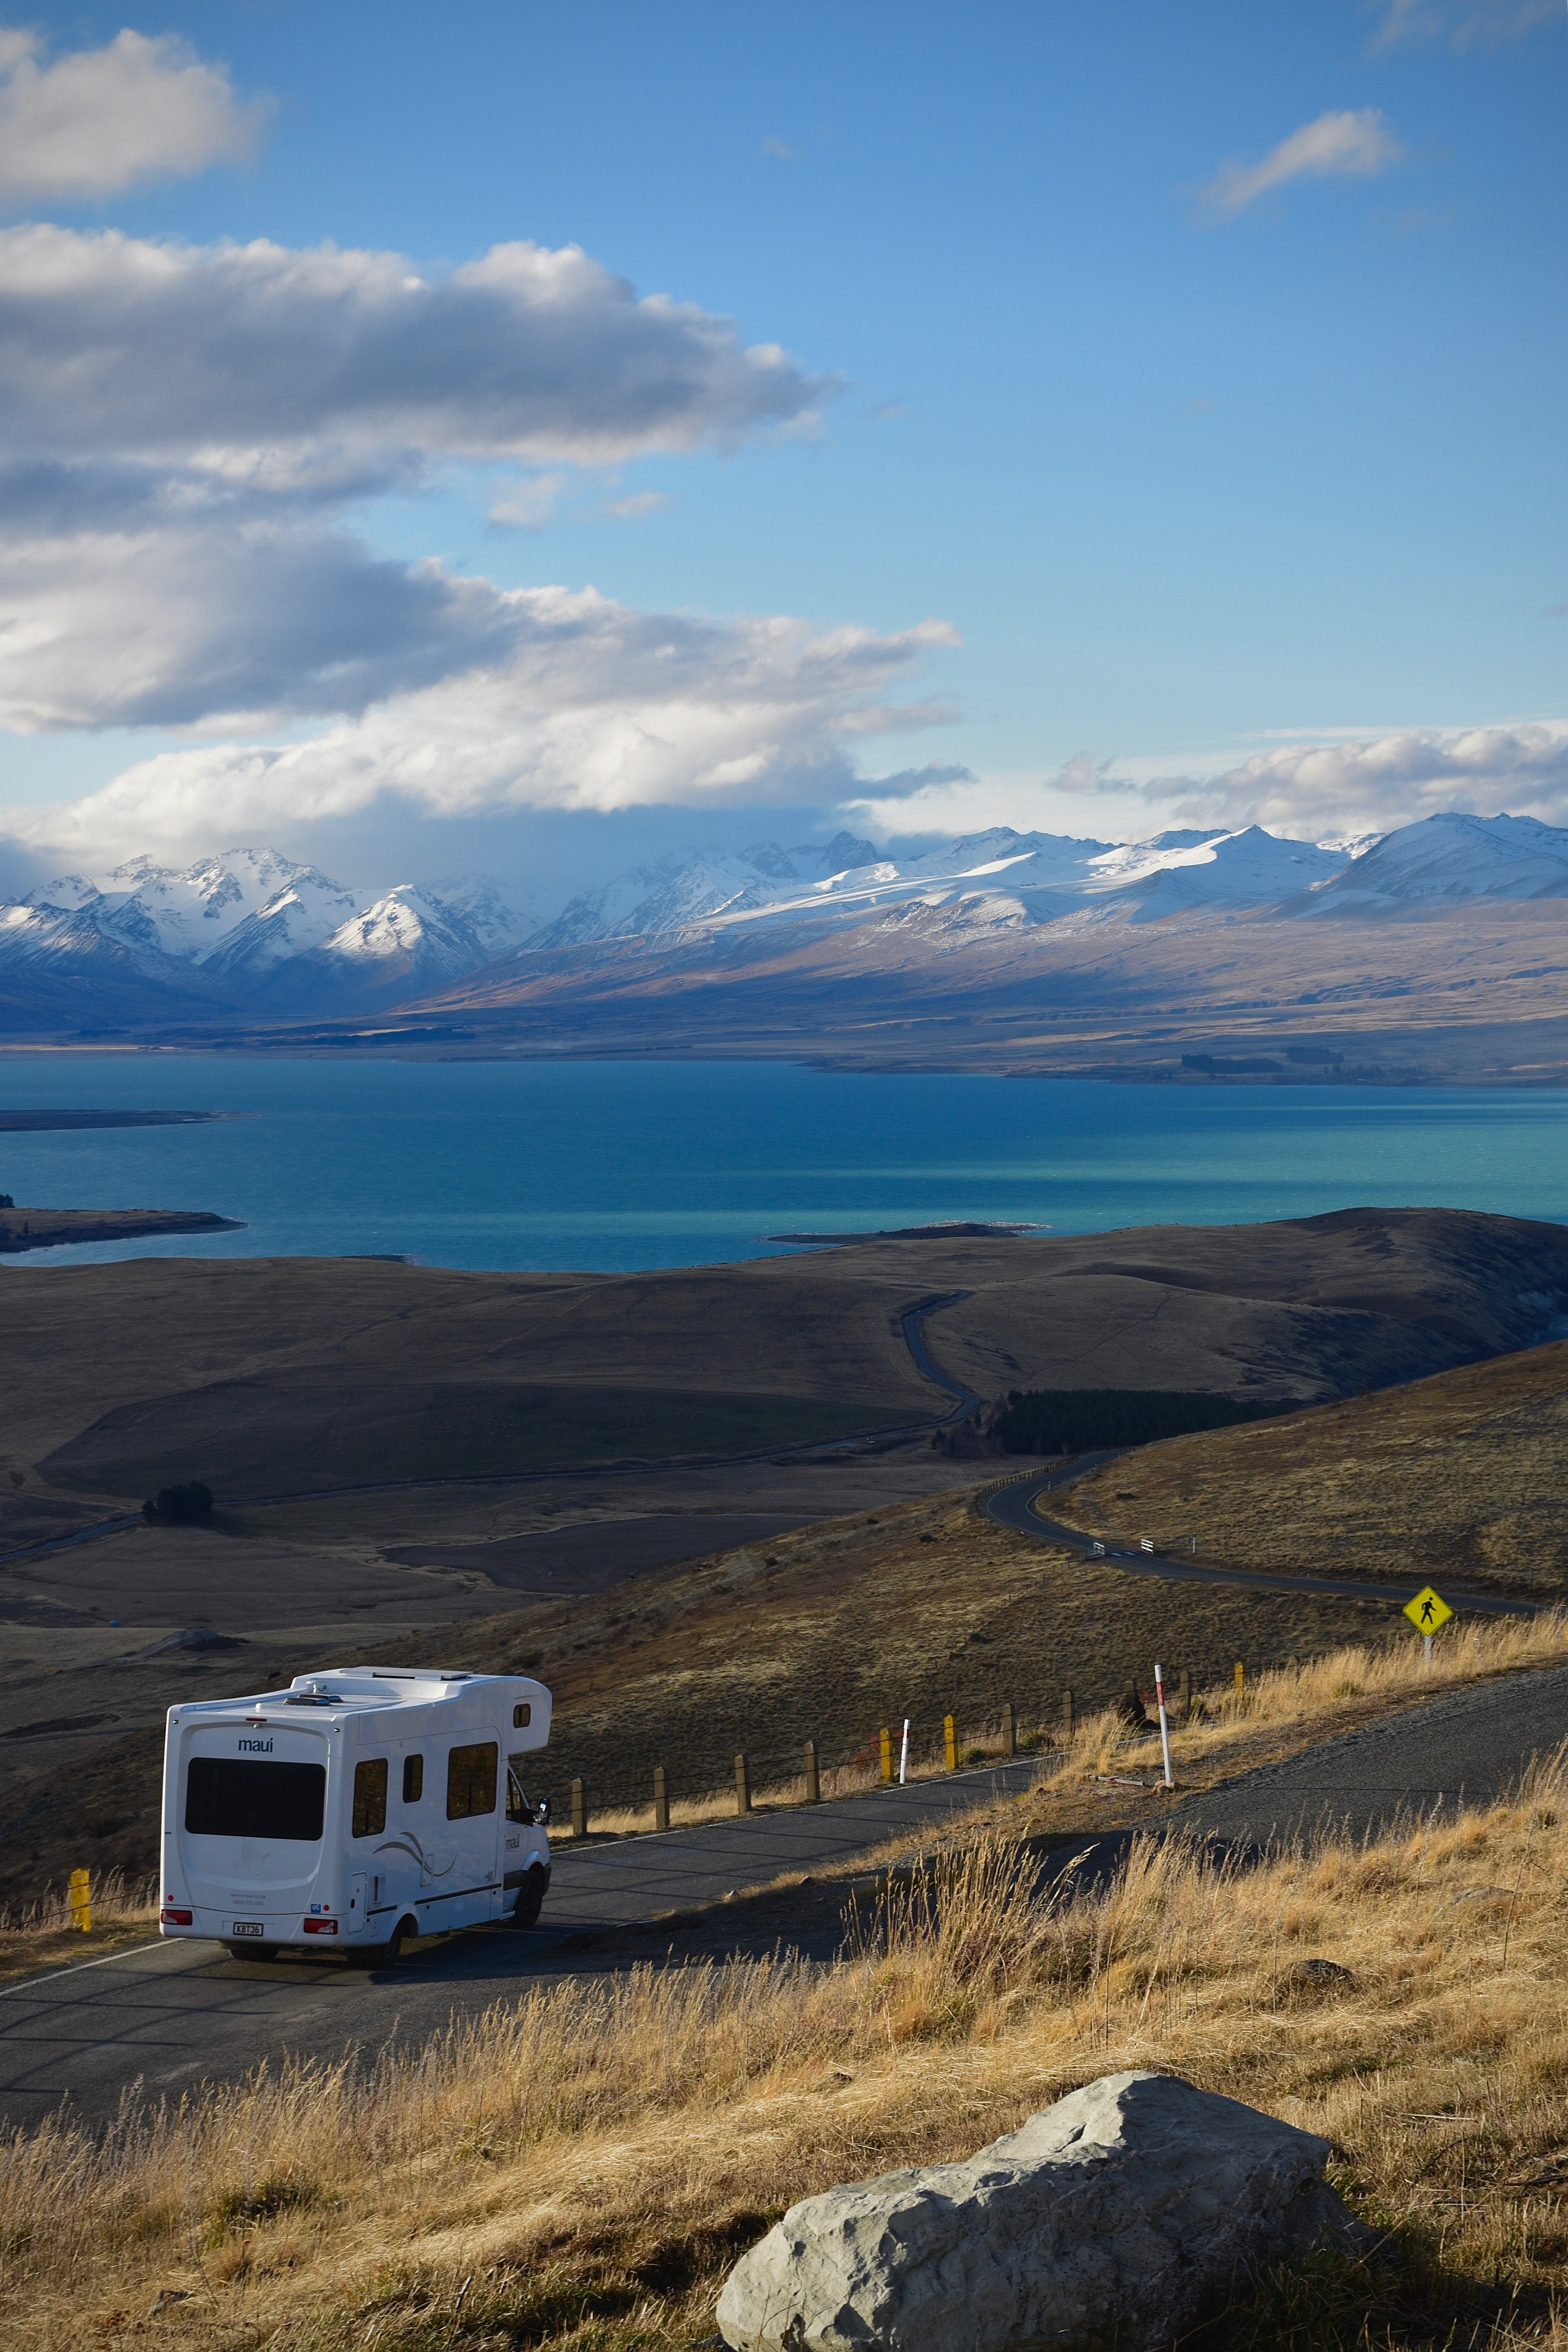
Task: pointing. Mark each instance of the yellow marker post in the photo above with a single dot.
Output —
(81, 1900)
(1240, 1675)
(950, 1741)
(887, 1756)
(1428, 1613)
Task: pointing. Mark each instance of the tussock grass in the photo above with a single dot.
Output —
(1456, 1478)
(1313, 1695)
(35, 1933)
(581, 2164)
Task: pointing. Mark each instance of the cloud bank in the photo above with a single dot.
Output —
(176, 548)
(1346, 145)
(1312, 791)
(1463, 24)
(590, 705)
(1317, 791)
(101, 120)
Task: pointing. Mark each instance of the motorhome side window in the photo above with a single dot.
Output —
(370, 1797)
(412, 1779)
(516, 1805)
(471, 1781)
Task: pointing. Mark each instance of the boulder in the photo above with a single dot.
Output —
(1119, 2215)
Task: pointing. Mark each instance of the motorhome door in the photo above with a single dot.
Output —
(474, 1819)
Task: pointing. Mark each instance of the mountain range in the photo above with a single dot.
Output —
(828, 932)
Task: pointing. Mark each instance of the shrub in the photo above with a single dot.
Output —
(180, 1506)
(1082, 1421)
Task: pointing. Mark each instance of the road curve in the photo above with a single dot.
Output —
(171, 2016)
(174, 2015)
(1014, 1506)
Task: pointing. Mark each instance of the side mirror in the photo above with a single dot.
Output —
(541, 1811)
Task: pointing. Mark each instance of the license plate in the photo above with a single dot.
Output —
(249, 1927)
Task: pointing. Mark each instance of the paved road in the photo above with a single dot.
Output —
(176, 2012)
(1013, 1505)
(171, 2014)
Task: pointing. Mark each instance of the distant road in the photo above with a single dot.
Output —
(1014, 1506)
(171, 2015)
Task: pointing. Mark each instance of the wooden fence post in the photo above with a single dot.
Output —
(887, 1757)
(1009, 1731)
(1184, 1694)
(950, 1742)
(660, 1798)
(1068, 1716)
(579, 1810)
(1240, 1677)
(742, 1786)
(813, 1783)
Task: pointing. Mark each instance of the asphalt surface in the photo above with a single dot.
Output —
(172, 2014)
(169, 2016)
(1014, 1506)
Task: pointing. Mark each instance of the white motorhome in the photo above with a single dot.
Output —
(352, 1811)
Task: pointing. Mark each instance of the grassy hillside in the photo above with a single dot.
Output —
(581, 2166)
(119, 1369)
(1457, 1479)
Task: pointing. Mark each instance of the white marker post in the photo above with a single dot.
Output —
(1164, 1722)
(904, 1755)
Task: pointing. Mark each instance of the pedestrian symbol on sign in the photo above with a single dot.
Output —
(1428, 1611)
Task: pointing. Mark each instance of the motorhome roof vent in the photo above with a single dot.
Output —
(314, 1694)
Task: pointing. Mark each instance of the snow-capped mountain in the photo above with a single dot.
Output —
(410, 941)
(245, 928)
(251, 934)
(702, 885)
(1449, 857)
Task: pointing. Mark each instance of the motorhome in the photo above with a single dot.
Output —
(354, 1810)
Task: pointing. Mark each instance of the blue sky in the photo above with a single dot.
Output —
(1249, 495)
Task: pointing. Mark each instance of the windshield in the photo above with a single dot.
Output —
(230, 1796)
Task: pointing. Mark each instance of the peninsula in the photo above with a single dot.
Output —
(31, 1229)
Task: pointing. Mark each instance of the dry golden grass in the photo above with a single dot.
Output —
(33, 1935)
(1457, 1478)
(581, 2164)
(1313, 1699)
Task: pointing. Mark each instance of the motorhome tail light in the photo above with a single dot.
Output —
(170, 1918)
(319, 1926)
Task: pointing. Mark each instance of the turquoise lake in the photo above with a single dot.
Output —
(609, 1165)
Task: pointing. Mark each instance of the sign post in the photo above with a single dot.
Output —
(1164, 1723)
(904, 1755)
(1428, 1613)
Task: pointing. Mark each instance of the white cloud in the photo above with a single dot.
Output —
(172, 553)
(529, 504)
(103, 119)
(640, 503)
(1314, 791)
(1345, 145)
(592, 706)
(289, 358)
(1463, 24)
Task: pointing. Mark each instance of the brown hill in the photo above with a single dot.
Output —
(281, 1374)
(1467, 993)
(1455, 1479)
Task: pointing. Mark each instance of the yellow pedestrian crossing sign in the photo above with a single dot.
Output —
(1428, 1611)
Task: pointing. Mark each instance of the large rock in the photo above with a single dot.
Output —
(1118, 2216)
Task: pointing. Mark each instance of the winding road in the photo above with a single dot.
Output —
(1015, 1506)
(171, 2016)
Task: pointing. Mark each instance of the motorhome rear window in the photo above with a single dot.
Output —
(233, 1796)
(370, 1797)
(471, 1781)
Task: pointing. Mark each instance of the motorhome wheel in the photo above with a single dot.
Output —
(530, 1899)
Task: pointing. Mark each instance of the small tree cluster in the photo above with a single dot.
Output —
(180, 1506)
